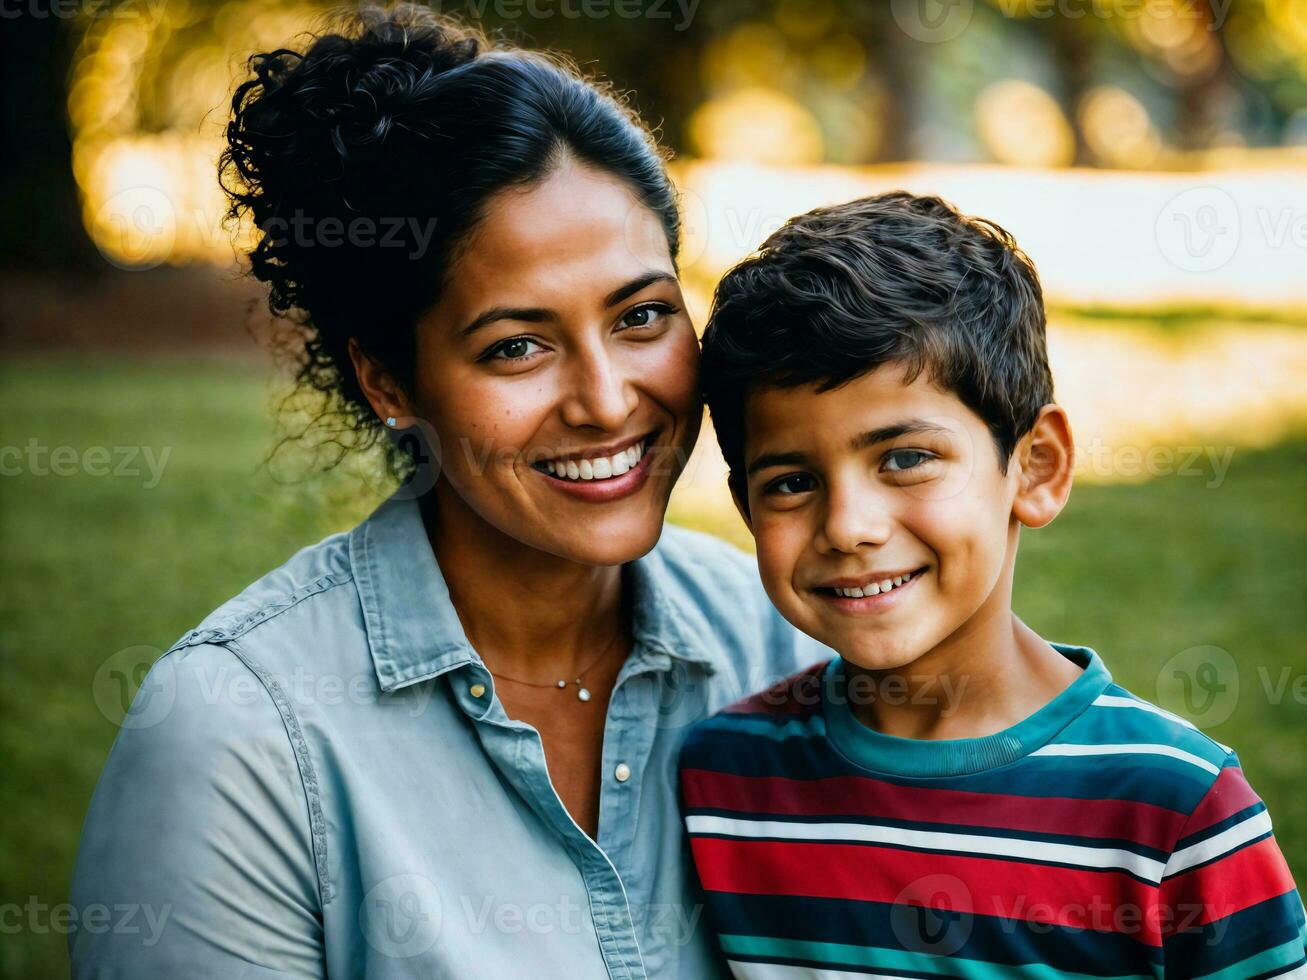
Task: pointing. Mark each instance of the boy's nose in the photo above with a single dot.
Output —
(853, 520)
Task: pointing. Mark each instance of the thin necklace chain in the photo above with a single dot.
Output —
(561, 682)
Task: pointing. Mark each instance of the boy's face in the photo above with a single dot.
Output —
(879, 482)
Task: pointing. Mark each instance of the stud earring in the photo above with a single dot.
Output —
(390, 421)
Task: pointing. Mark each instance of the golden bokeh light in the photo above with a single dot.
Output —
(1019, 123)
(757, 125)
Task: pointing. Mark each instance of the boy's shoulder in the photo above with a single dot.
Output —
(789, 707)
(1119, 722)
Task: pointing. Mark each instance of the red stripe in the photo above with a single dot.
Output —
(1228, 795)
(1070, 897)
(862, 796)
(1237, 881)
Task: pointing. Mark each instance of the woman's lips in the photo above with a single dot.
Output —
(605, 489)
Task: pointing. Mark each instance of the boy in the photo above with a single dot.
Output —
(951, 796)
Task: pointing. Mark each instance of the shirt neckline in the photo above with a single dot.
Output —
(894, 755)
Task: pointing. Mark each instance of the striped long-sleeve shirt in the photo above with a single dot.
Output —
(1100, 837)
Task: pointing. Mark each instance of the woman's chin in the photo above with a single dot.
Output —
(599, 545)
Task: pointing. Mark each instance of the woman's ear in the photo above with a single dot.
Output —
(1045, 458)
(378, 384)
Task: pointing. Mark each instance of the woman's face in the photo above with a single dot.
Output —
(562, 340)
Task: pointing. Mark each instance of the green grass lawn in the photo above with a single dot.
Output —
(93, 564)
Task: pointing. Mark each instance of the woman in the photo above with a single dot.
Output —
(443, 744)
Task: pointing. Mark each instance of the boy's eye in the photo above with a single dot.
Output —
(646, 315)
(904, 459)
(512, 349)
(790, 485)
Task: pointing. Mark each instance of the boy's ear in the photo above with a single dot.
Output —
(1045, 458)
(741, 503)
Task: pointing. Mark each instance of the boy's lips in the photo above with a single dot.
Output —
(872, 592)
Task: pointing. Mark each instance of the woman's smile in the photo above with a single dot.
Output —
(599, 476)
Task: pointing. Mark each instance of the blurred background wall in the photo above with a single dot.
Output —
(1150, 155)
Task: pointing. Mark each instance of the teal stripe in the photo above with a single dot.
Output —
(813, 726)
(840, 954)
(1278, 958)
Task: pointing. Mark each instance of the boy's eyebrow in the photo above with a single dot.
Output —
(862, 440)
(774, 459)
(885, 433)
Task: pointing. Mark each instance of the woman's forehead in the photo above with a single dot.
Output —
(578, 232)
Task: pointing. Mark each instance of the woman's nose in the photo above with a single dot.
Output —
(601, 393)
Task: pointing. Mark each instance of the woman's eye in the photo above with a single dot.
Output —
(647, 315)
(905, 459)
(790, 485)
(512, 349)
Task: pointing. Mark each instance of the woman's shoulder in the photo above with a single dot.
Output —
(687, 547)
(312, 572)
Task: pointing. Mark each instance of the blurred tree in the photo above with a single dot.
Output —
(40, 217)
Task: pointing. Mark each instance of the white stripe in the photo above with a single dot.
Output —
(776, 971)
(1297, 973)
(1222, 843)
(1113, 701)
(1073, 854)
(1141, 749)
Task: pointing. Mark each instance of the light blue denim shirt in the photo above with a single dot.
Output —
(320, 780)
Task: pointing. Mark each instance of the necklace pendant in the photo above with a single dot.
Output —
(583, 694)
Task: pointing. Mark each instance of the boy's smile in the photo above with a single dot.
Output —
(883, 520)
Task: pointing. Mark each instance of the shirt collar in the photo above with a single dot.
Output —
(414, 632)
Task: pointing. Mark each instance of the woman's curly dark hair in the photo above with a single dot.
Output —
(364, 162)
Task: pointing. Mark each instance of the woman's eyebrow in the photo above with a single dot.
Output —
(495, 313)
(635, 285)
(534, 314)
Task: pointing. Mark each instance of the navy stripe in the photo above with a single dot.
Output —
(989, 938)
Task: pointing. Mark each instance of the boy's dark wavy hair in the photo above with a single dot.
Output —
(398, 124)
(839, 291)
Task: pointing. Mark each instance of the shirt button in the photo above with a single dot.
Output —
(622, 773)
(477, 690)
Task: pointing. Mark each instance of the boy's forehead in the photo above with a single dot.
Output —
(885, 390)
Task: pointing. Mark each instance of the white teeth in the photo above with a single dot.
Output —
(602, 468)
(874, 588)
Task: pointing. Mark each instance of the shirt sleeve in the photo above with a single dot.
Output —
(197, 856)
(1228, 903)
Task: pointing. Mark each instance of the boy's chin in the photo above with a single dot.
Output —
(881, 655)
